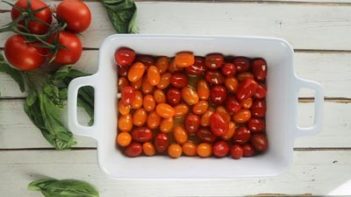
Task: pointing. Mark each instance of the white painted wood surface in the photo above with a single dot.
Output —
(319, 29)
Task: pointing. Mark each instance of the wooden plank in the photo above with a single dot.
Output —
(313, 173)
(332, 70)
(313, 26)
(16, 130)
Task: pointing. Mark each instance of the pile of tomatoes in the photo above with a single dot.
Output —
(39, 39)
(191, 105)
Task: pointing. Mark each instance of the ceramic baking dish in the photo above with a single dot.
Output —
(282, 102)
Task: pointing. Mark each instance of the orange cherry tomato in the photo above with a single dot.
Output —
(205, 118)
(174, 151)
(180, 135)
(245, 75)
(189, 149)
(165, 80)
(153, 120)
(166, 125)
(230, 132)
(139, 117)
(190, 96)
(203, 90)
(162, 64)
(149, 149)
(159, 96)
(173, 67)
(200, 107)
(124, 139)
(204, 150)
(138, 100)
(136, 71)
(164, 110)
(246, 103)
(231, 84)
(146, 87)
(122, 82)
(123, 109)
(184, 59)
(153, 75)
(149, 103)
(137, 84)
(223, 112)
(242, 116)
(181, 110)
(125, 123)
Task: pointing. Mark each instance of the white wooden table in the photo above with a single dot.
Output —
(319, 30)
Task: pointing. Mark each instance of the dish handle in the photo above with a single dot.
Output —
(73, 123)
(318, 107)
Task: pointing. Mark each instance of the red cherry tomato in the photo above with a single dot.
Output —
(214, 61)
(41, 12)
(218, 94)
(75, 13)
(236, 152)
(133, 150)
(205, 135)
(122, 71)
(179, 80)
(242, 135)
(198, 68)
(124, 57)
(242, 64)
(229, 69)
(173, 96)
(220, 149)
(219, 126)
(248, 150)
(259, 142)
(246, 89)
(22, 54)
(214, 77)
(260, 92)
(259, 69)
(71, 48)
(128, 95)
(141, 134)
(161, 142)
(256, 125)
(258, 108)
(232, 105)
(191, 123)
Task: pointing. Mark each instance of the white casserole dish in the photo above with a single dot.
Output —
(282, 102)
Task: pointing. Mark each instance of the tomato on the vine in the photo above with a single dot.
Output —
(71, 48)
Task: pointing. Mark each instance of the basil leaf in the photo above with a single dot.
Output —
(15, 74)
(63, 188)
(122, 14)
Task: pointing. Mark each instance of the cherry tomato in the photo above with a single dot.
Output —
(203, 90)
(124, 139)
(242, 64)
(179, 80)
(246, 89)
(153, 75)
(159, 96)
(220, 149)
(174, 151)
(22, 54)
(242, 116)
(244, 75)
(137, 102)
(124, 57)
(200, 107)
(204, 150)
(173, 96)
(125, 123)
(122, 71)
(231, 84)
(260, 92)
(205, 135)
(71, 49)
(141, 134)
(218, 94)
(161, 142)
(180, 110)
(205, 118)
(191, 123)
(75, 13)
(122, 82)
(189, 149)
(248, 150)
(146, 87)
(229, 69)
(214, 60)
(231, 130)
(259, 142)
(139, 117)
(184, 59)
(236, 152)
(190, 96)
(232, 105)
(198, 68)
(147, 60)
(153, 120)
(214, 77)
(128, 95)
(173, 67)
(242, 135)
(256, 125)
(164, 110)
(41, 12)
(149, 149)
(246, 103)
(258, 108)
(123, 109)
(259, 69)
(180, 135)
(223, 112)
(133, 150)
(218, 124)
(162, 64)
(166, 125)
(149, 103)
(136, 71)
(165, 80)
